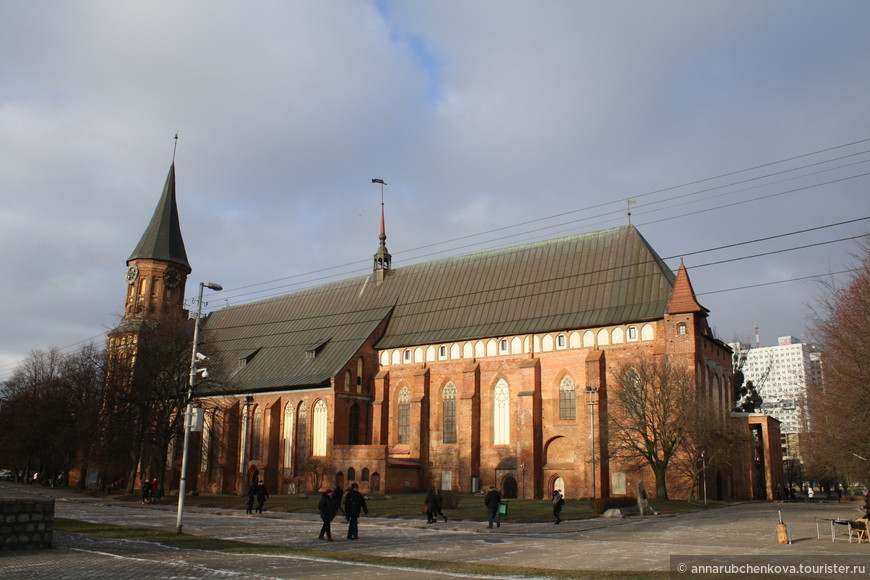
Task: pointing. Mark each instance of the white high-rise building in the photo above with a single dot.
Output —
(781, 375)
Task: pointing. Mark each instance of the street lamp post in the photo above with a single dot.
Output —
(188, 414)
(591, 401)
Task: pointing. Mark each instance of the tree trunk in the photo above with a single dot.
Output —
(661, 482)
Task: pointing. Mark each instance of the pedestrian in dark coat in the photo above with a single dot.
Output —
(146, 491)
(354, 502)
(439, 501)
(492, 499)
(328, 509)
(252, 493)
(431, 503)
(558, 502)
(337, 495)
(262, 493)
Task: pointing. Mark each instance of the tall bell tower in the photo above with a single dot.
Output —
(157, 269)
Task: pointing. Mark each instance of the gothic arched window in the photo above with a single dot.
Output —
(449, 414)
(318, 444)
(501, 413)
(301, 439)
(287, 435)
(567, 399)
(404, 416)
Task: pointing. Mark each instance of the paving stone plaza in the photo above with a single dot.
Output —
(738, 533)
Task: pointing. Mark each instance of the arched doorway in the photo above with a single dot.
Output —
(253, 477)
(376, 482)
(509, 487)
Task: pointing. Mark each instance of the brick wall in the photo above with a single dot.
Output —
(26, 523)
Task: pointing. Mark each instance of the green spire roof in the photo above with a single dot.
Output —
(162, 239)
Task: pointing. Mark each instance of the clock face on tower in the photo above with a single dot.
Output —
(132, 274)
(171, 277)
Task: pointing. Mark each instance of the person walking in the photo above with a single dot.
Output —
(146, 491)
(431, 504)
(354, 502)
(558, 502)
(337, 494)
(262, 494)
(492, 500)
(327, 509)
(439, 502)
(252, 492)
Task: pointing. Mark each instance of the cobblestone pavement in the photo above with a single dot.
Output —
(633, 544)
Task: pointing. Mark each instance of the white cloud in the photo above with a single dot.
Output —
(479, 115)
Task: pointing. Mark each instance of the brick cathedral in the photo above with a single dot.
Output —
(485, 369)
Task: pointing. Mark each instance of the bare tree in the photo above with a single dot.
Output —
(145, 399)
(651, 406)
(319, 470)
(710, 443)
(746, 396)
(49, 413)
(837, 445)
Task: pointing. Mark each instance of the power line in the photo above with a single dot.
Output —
(618, 212)
(606, 215)
(759, 285)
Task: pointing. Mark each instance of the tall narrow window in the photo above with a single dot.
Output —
(318, 447)
(449, 427)
(207, 445)
(287, 435)
(353, 425)
(214, 447)
(404, 416)
(255, 432)
(501, 413)
(301, 439)
(359, 375)
(567, 399)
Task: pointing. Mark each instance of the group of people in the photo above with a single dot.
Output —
(432, 506)
(330, 506)
(150, 491)
(259, 492)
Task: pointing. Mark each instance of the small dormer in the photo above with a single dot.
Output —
(314, 350)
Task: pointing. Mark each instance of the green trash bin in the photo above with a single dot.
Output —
(502, 510)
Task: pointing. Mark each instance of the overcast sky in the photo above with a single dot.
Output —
(493, 122)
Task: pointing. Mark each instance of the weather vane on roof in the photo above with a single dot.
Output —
(383, 183)
(629, 203)
(174, 147)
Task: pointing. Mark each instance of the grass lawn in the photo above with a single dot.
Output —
(469, 507)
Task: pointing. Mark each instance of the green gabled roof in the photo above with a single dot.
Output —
(601, 278)
(595, 279)
(297, 340)
(162, 238)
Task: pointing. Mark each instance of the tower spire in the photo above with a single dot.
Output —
(162, 238)
(383, 259)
